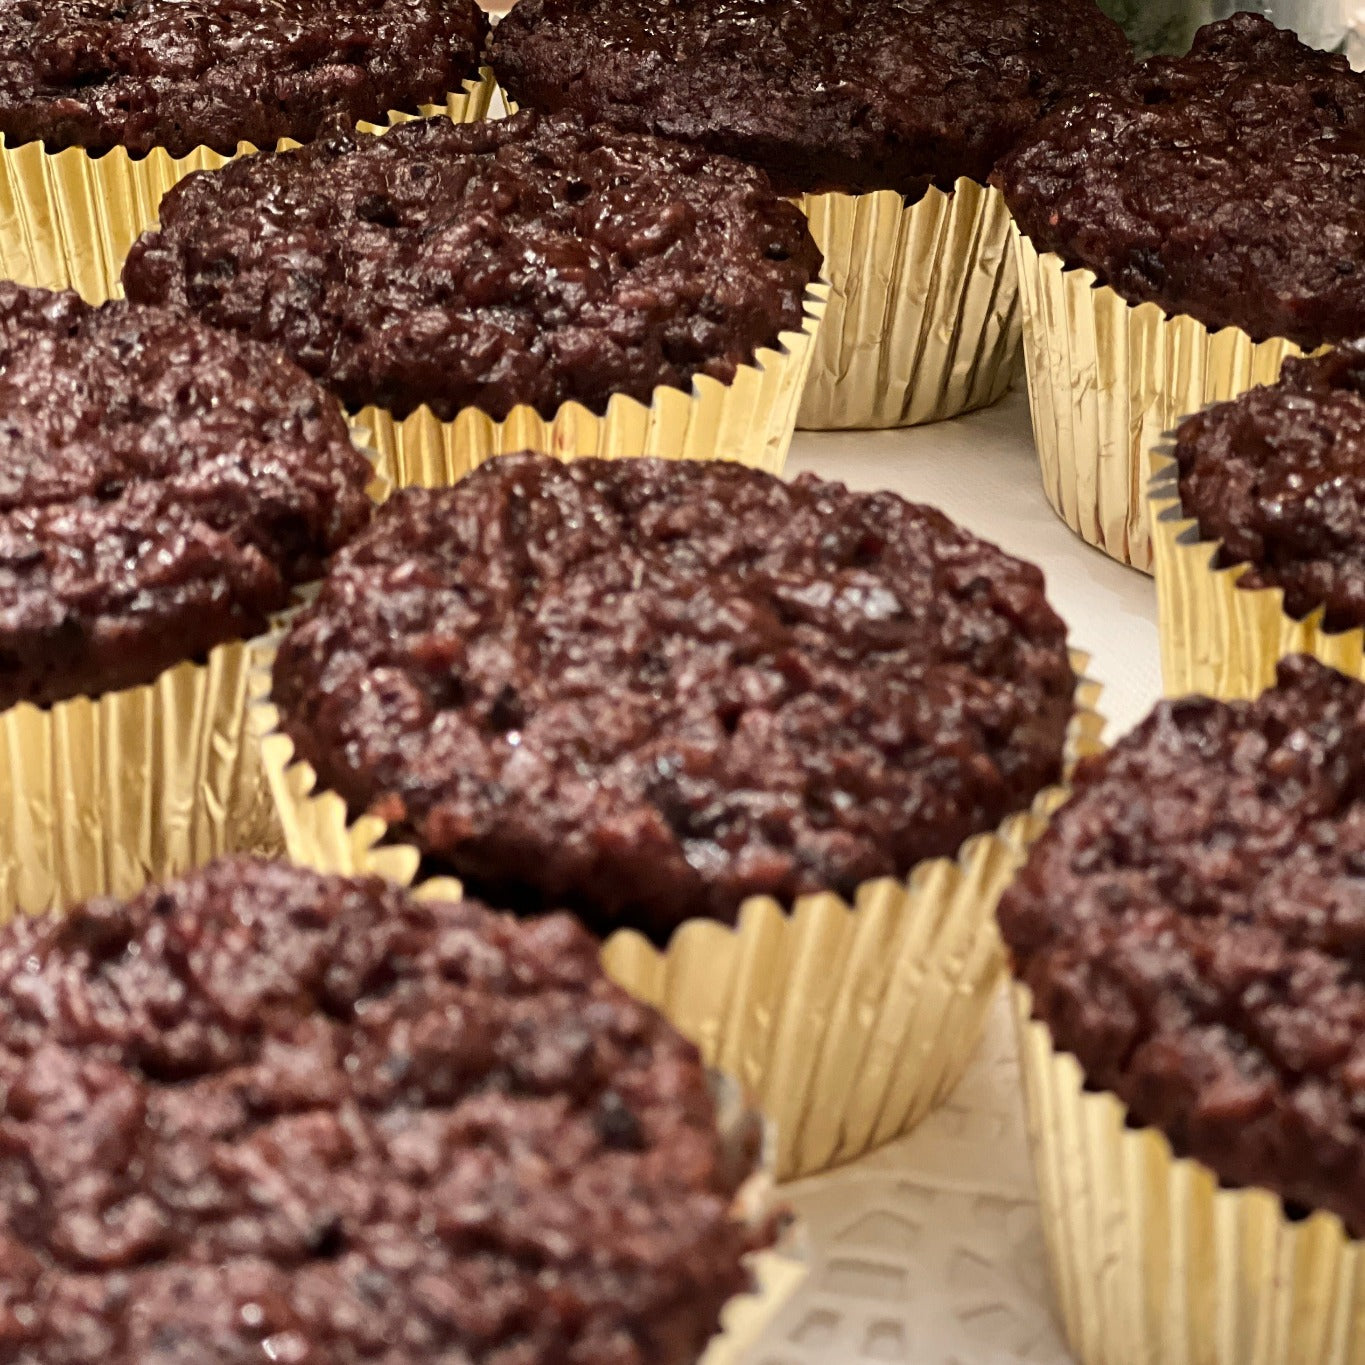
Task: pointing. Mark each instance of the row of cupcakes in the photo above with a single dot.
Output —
(780, 745)
(884, 120)
(1169, 248)
(255, 1112)
(512, 676)
(788, 811)
(433, 281)
(1274, 1293)
(1186, 935)
(1161, 257)
(516, 673)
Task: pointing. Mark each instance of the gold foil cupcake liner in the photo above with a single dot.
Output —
(101, 795)
(1106, 378)
(750, 419)
(923, 318)
(847, 1023)
(68, 219)
(1152, 1263)
(1217, 638)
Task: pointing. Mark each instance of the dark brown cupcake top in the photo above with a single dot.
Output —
(1228, 184)
(487, 265)
(162, 488)
(648, 689)
(1278, 475)
(852, 95)
(263, 1115)
(182, 74)
(1193, 929)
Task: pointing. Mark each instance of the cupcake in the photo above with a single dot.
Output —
(466, 289)
(1259, 530)
(709, 712)
(163, 488)
(1186, 938)
(264, 1115)
(1172, 254)
(104, 105)
(883, 117)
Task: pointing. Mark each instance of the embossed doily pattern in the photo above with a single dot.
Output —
(930, 1251)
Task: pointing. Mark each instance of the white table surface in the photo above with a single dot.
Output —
(929, 1251)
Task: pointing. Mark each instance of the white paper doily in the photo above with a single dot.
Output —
(929, 1251)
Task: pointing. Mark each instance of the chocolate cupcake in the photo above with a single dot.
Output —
(1259, 530)
(1185, 935)
(104, 105)
(886, 117)
(443, 278)
(165, 487)
(1174, 256)
(261, 1114)
(652, 691)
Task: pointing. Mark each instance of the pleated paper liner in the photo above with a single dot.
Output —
(99, 796)
(847, 1023)
(68, 219)
(1218, 638)
(1152, 1263)
(750, 419)
(923, 318)
(1106, 378)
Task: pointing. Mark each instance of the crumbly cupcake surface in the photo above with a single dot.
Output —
(1278, 476)
(649, 689)
(1228, 184)
(260, 1114)
(162, 488)
(181, 74)
(852, 95)
(1192, 928)
(488, 265)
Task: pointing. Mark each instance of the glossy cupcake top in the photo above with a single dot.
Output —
(648, 689)
(528, 261)
(1228, 184)
(264, 1115)
(852, 95)
(162, 488)
(181, 74)
(1278, 476)
(1192, 927)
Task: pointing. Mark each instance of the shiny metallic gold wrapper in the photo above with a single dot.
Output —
(99, 796)
(750, 419)
(923, 318)
(1152, 1263)
(1217, 638)
(1106, 379)
(848, 1024)
(67, 220)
